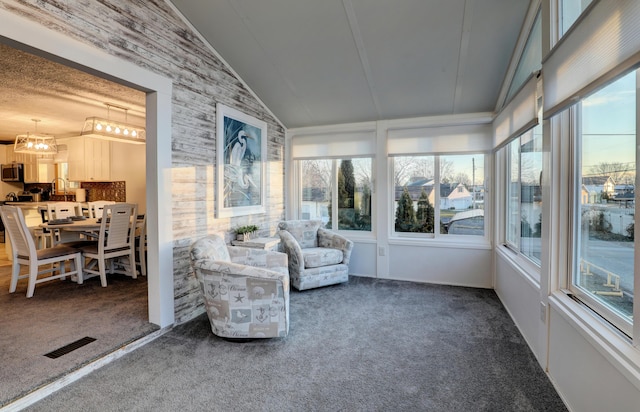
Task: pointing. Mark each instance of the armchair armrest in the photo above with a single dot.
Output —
(327, 238)
(271, 260)
(293, 250)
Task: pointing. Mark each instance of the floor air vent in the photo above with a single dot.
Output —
(69, 348)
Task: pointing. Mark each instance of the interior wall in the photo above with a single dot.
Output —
(446, 265)
(128, 164)
(521, 297)
(585, 376)
(168, 46)
(452, 260)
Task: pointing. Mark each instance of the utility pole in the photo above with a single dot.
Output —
(473, 182)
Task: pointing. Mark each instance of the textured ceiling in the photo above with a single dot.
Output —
(60, 97)
(328, 62)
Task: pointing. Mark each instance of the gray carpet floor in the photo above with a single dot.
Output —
(368, 345)
(61, 312)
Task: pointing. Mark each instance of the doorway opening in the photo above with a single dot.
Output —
(33, 38)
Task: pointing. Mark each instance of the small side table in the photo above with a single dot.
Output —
(266, 243)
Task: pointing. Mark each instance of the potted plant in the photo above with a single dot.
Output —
(246, 232)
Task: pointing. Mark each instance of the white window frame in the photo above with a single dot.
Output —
(334, 194)
(436, 237)
(532, 267)
(632, 330)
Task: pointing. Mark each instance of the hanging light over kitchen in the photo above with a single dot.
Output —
(108, 129)
(35, 143)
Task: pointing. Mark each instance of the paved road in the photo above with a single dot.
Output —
(616, 257)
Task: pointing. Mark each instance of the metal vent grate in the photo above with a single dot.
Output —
(69, 348)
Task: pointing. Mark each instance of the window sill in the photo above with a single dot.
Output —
(527, 269)
(448, 241)
(611, 344)
(358, 237)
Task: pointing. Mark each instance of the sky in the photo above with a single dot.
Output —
(609, 124)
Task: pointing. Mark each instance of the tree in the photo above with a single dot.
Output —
(317, 174)
(348, 215)
(316, 178)
(463, 178)
(446, 169)
(405, 214)
(406, 167)
(364, 211)
(425, 214)
(537, 231)
(346, 184)
(616, 170)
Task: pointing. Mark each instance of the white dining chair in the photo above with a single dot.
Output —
(25, 253)
(63, 210)
(44, 237)
(96, 207)
(119, 222)
(141, 245)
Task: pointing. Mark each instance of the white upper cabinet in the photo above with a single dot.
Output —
(89, 159)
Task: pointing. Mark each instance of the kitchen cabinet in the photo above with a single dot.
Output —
(37, 169)
(89, 159)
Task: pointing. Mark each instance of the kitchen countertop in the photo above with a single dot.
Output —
(36, 205)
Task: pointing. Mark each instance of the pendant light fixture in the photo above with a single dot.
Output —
(107, 129)
(35, 143)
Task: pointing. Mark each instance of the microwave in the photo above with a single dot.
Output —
(13, 172)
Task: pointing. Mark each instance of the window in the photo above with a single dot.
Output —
(524, 194)
(454, 196)
(345, 183)
(570, 10)
(604, 199)
(531, 59)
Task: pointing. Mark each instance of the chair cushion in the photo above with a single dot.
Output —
(56, 251)
(92, 248)
(315, 257)
(304, 231)
(211, 247)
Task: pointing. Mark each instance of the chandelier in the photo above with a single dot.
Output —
(107, 129)
(35, 143)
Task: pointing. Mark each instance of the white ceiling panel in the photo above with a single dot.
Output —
(412, 47)
(312, 62)
(489, 52)
(327, 62)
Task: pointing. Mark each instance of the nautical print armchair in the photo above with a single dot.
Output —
(317, 256)
(245, 291)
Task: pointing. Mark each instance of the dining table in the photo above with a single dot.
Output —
(84, 228)
(89, 224)
(80, 223)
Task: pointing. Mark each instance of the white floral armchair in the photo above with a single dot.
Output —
(317, 256)
(245, 291)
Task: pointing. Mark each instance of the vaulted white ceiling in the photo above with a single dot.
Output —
(312, 62)
(316, 62)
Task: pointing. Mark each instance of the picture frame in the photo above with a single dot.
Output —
(241, 154)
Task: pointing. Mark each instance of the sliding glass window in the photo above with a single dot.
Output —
(338, 192)
(448, 189)
(523, 220)
(570, 10)
(605, 201)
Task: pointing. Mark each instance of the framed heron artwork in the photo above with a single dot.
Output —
(241, 163)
